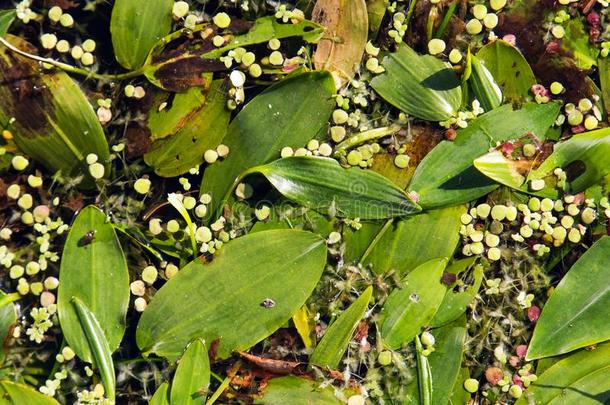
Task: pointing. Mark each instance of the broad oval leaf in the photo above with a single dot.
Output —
(321, 183)
(192, 377)
(183, 135)
(93, 268)
(297, 391)
(509, 68)
(581, 378)
(289, 113)
(409, 242)
(208, 300)
(484, 85)
(330, 350)
(48, 114)
(575, 315)
(161, 396)
(422, 86)
(12, 393)
(136, 27)
(341, 49)
(6, 19)
(98, 344)
(584, 157)
(446, 175)
(412, 306)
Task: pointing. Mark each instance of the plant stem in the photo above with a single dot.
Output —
(8, 298)
(69, 68)
(410, 12)
(450, 11)
(424, 374)
(364, 137)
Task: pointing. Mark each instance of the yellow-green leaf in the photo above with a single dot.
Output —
(190, 383)
(297, 391)
(12, 393)
(136, 27)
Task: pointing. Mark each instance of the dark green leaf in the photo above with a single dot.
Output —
(48, 114)
(297, 391)
(290, 113)
(446, 359)
(412, 241)
(209, 300)
(484, 85)
(12, 393)
(333, 345)
(98, 345)
(446, 175)
(509, 69)
(93, 268)
(192, 378)
(455, 303)
(604, 82)
(581, 378)
(8, 317)
(136, 27)
(346, 30)
(575, 314)
(196, 122)
(412, 306)
(321, 183)
(421, 86)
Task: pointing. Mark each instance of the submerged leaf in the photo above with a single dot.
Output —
(48, 114)
(197, 121)
(575, 314)
(422, 86)
(412, 306)
(93, 268)
(136, 28)
(289, 113)
(341, 49)
(257, 281)
(333, 345)
(322, 184)
(297, 391)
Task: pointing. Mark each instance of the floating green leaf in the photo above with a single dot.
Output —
(321, 183)
(289, 113)
(446, 359)
(341, 49)
(8, 318)
(581, 378)
(12, 393)
(409, 242)
(190, 383)
(98, 345)
(509, 68)
(412, 306)
(208, 300)
(161, 395)
(333, 345)
(584, 157)
(455, 303)
(484, 85)
(500, 169)
(297, 391)
(137, 27)
(48, 114)
(93, 268)
(446, 175)
(6, 19)
(196, 122)
(267, 28)
(574, 315)
(422, 86)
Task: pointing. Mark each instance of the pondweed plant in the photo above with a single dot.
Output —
(360, 202)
